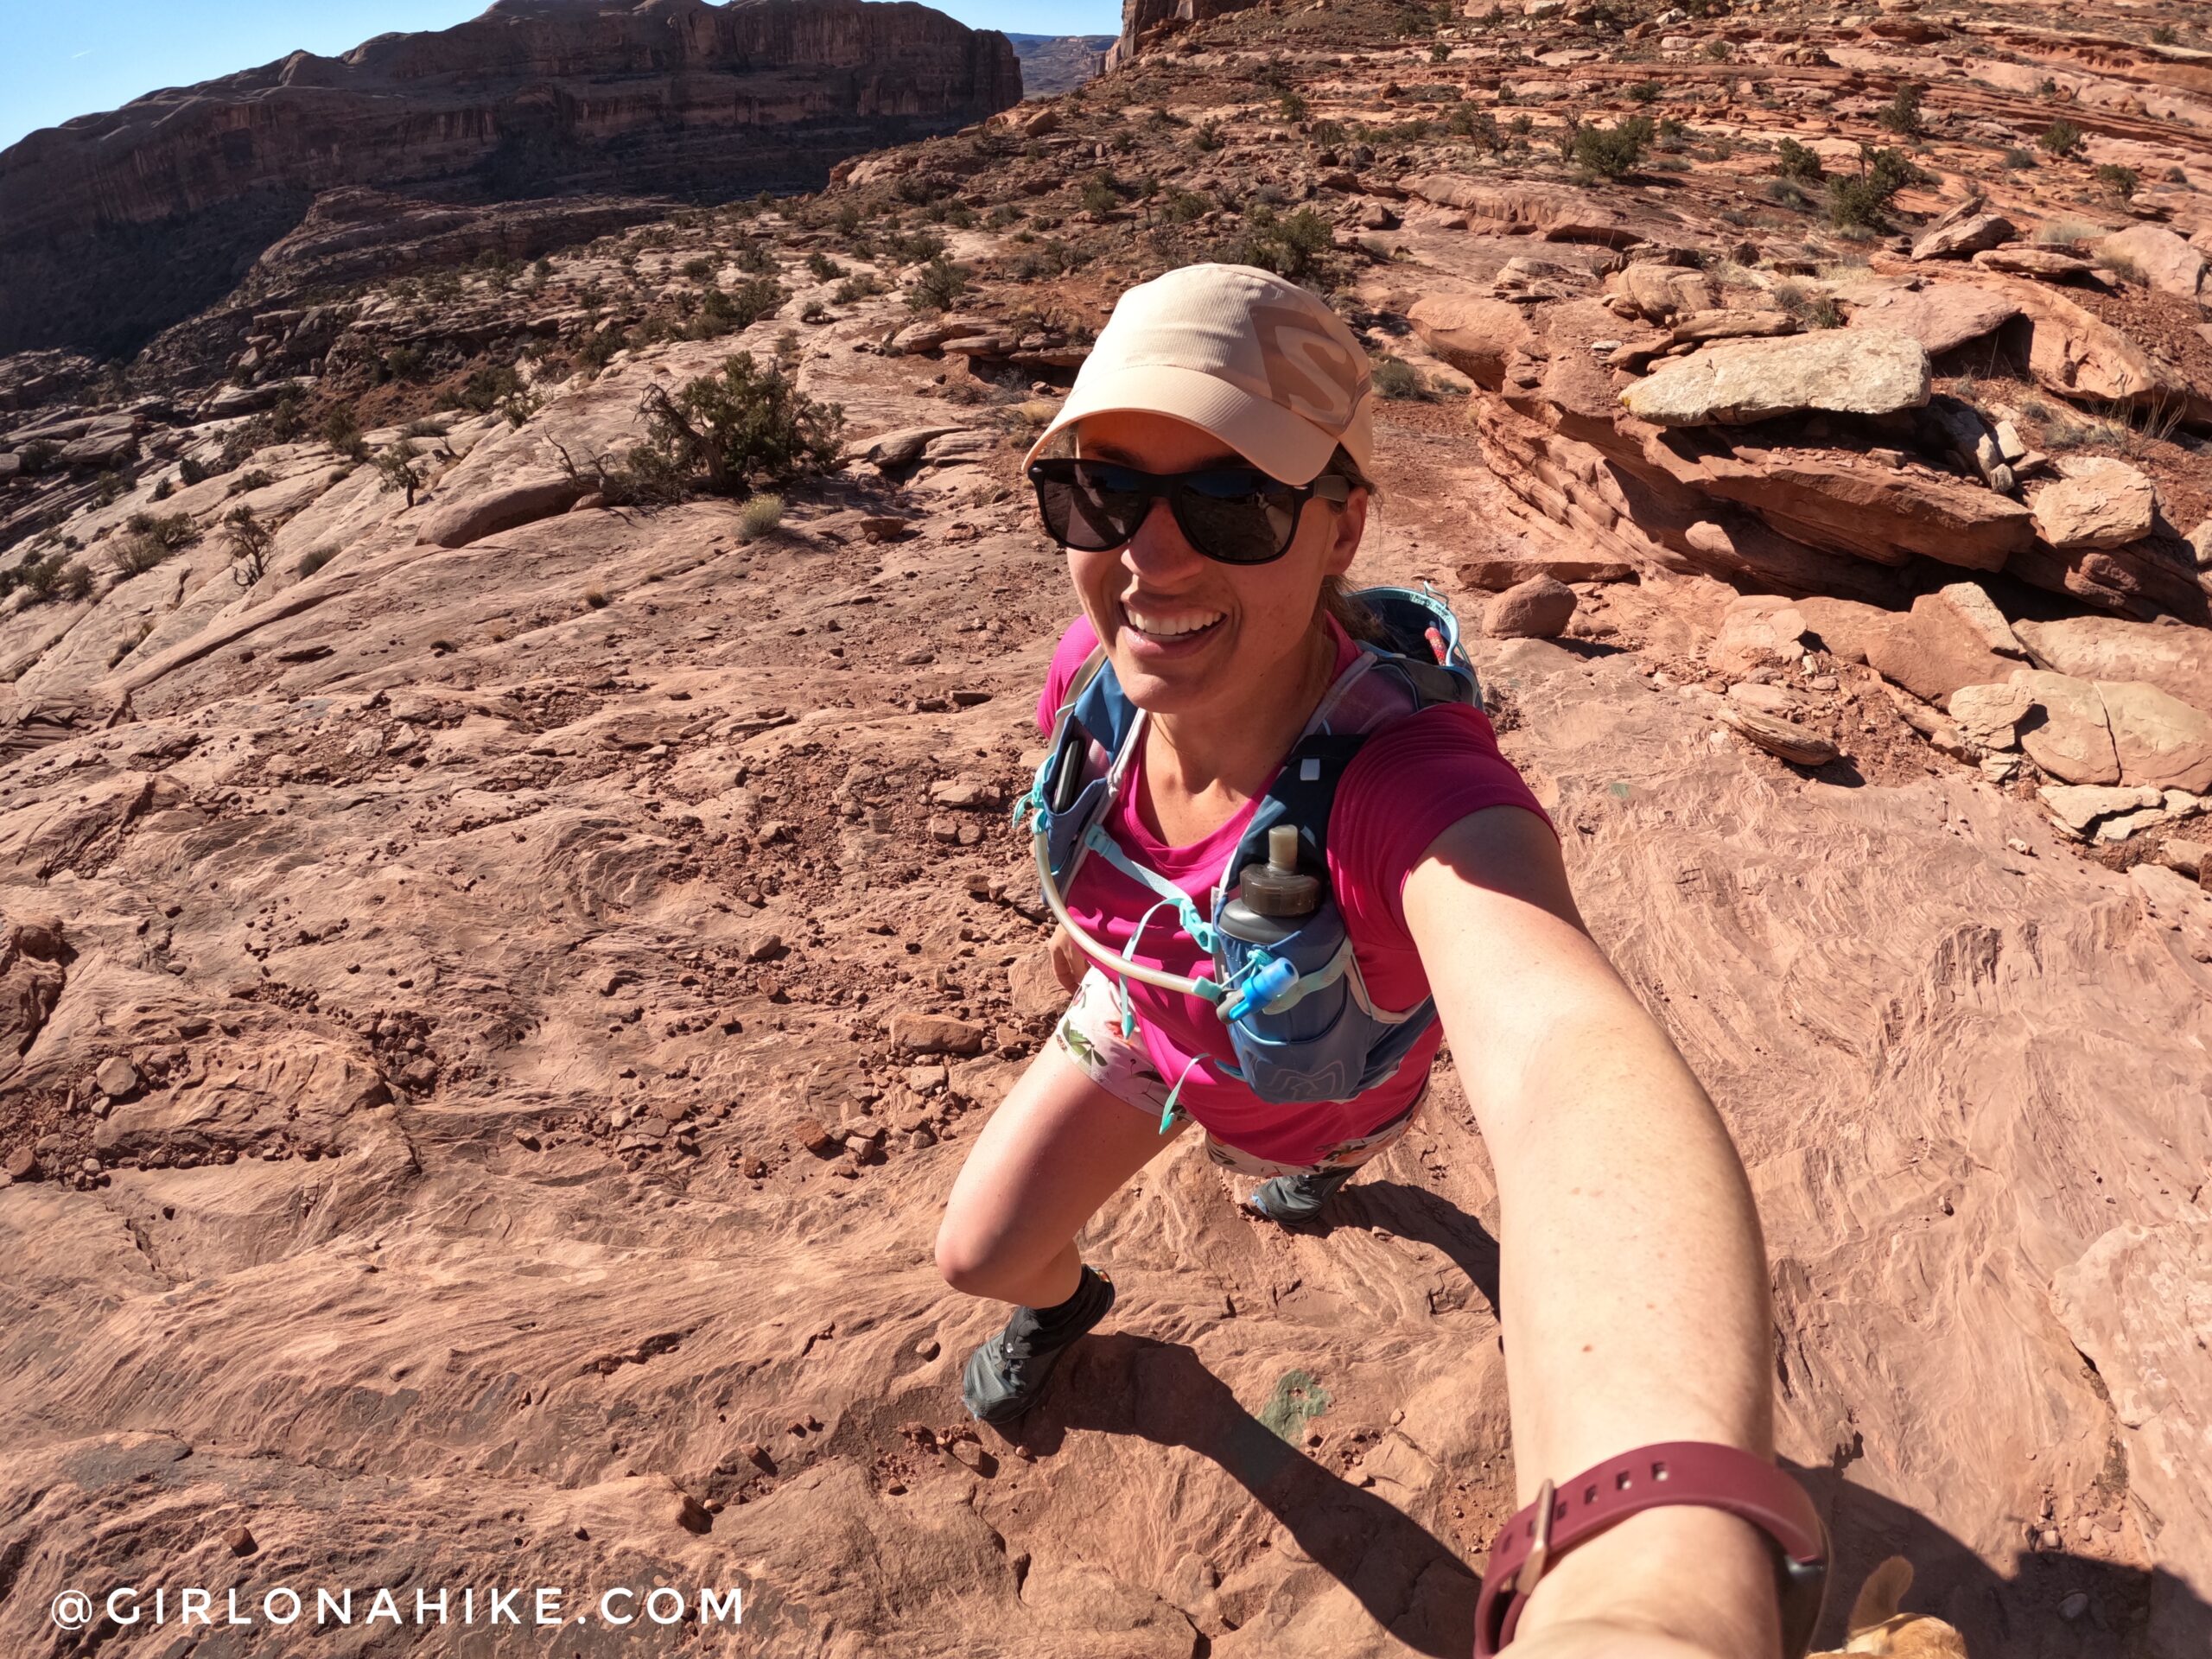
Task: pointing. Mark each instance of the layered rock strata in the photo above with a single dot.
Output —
(114, 226)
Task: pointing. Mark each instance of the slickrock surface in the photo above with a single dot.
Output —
(492, 1003)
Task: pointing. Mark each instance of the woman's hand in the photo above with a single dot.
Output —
(1069, 962)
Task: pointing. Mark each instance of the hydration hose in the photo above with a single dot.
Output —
(1205, 989)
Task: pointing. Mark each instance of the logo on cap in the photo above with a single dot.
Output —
(1308, 373)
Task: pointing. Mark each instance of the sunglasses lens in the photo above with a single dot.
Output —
(1088, 507)
(1237, 516)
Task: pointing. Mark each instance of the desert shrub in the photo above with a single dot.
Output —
(428, 427)
(1181, 206)
(1902, 113)
(701, 269)
(190, 472)
(1292, 106)
(1098, 194)
(254, 478)
(756, 258)
(2124, 268)
(342, 432)
(1610, 152)
(1795, 161)
(1717, 50)
(1862, 202)
(1440, 52)
(164, 489)
(2118, 181)
(2061, 138)
(2066, 233)
(249, 540)
(314, 559)
(1327, 135)
(916, 247)
(2164, 35)
(854, 288)
(1395, 378)
(403, 363)
(731, 433)
(2018, 158)
(822, 267)
(400, 467)
(1289, 245)
(596, 598)
(1787, 193)
(1466, 121)
(1644, 91)
(937, 285)
(1810, 310)
(1207, 137)
(759, 516)
(814, 311)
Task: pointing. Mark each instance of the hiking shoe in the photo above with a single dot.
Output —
(1006, 1374)
(1292, 1198)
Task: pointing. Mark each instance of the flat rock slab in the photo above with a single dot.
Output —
(2100, 502)
(1941, 317)
(2178, 660)
(2041, 263)
(2072, 739)
(2160, 740)
(1974, 235)
(1476, 336)
(2167, 263)
(1841, 370)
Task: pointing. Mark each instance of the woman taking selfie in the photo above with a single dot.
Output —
(1290, 862)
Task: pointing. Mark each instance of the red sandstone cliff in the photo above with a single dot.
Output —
(535, 98)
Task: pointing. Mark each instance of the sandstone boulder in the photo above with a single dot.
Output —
(2066, 732)
(2099, 503)
(1841, 371)
(2178, 661)
(1990, 715)
(1499, 571)
(1539, 608)
(1974, 608)
(2167, 263)
(1932, 651)
(2045, 263)
(1941, 317)
(2160, 740)
(1476, 336)
(2076, 807)
(1970, 235)
(474, 516)
(1759, 631)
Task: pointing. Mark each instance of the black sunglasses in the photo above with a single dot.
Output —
(1237, 515)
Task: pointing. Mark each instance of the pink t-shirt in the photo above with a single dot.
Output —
(1406, 787)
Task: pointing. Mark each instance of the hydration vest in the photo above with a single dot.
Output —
(1301, 1022)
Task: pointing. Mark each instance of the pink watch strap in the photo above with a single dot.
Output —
(1679, 1471)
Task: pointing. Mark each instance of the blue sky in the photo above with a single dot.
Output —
(63, 58)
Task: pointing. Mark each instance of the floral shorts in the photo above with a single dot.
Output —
(1090, 1033)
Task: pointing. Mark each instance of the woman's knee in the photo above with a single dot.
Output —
(965, 1260)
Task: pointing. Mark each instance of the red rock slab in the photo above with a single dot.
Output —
(1942, 316)
(1555, 214)
(1849, 503)
(2178, 661)
(1476, 336)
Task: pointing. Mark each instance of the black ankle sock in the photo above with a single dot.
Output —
(1060, 1312)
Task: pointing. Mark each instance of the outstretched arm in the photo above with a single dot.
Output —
(1632, 1272)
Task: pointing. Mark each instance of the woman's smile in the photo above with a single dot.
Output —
(1158, 631)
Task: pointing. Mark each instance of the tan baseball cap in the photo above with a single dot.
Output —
(1263, 364)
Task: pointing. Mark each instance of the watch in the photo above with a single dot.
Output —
(1697, 1472)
